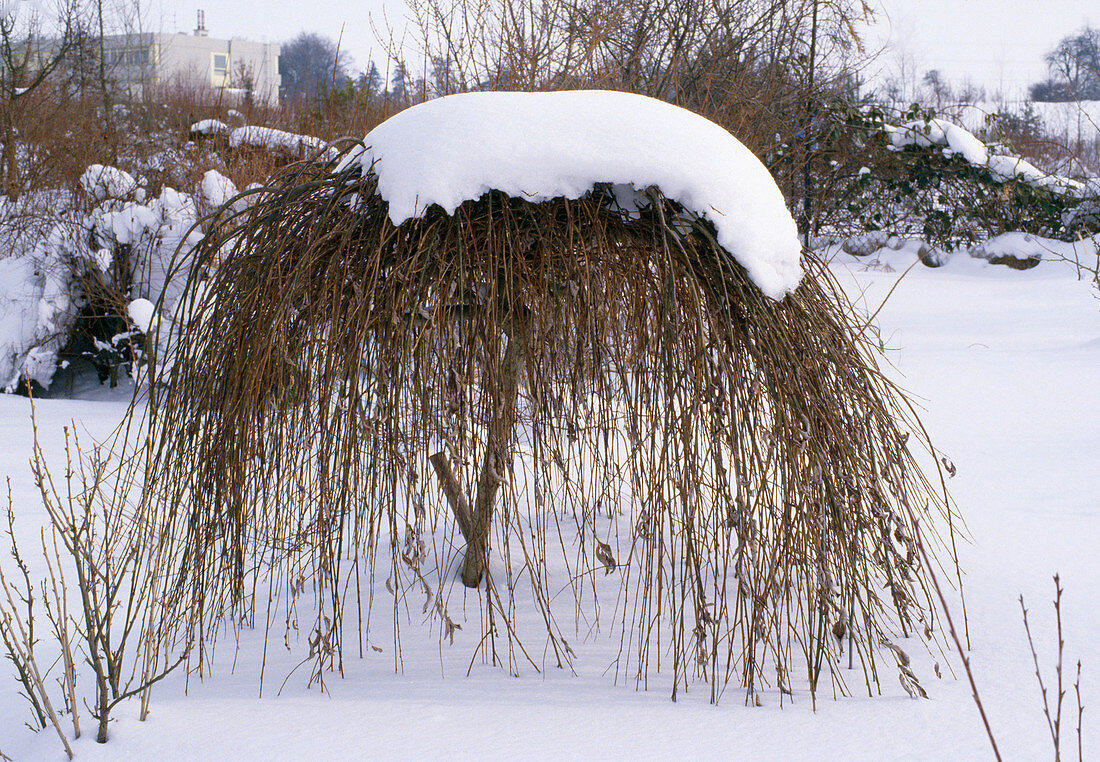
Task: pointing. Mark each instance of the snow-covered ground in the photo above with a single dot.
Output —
(1006, 365)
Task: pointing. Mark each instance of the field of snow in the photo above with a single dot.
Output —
(1006, 366)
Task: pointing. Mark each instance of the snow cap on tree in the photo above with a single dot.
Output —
(539, 146)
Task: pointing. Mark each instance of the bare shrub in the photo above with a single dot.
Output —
(99, 548)
(17, 633)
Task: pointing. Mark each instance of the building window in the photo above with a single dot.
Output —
(221, 68)
(128, 57)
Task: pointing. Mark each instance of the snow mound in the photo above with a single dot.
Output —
(217, 188)
(127, 224)
(143, 314)
(1022, 247)
(865, 244)
(103, 182)
(540, 146)
(209, 127)
(271, 139)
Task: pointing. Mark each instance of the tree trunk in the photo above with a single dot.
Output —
(11, 185)
(451, 488)
(476, 522)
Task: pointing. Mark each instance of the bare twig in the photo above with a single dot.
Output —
(945, 609)
(17, 638)
(1054, 719)
(1080, 710)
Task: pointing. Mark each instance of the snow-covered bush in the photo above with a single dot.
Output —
(208, 128)
(105, 183)
(935, 181)
(66, 295)
(41, 300)
(277, 141)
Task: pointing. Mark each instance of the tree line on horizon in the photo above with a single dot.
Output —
(311, 65)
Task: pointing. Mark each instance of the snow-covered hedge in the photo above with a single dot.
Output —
(926, 179)
(1003, 165)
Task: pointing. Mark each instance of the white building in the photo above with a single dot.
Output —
(234, 70)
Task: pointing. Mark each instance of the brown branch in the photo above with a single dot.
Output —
(153, 681)
(451, 489)
(23, 649)
(954, 633)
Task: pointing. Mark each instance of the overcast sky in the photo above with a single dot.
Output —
(998, 44)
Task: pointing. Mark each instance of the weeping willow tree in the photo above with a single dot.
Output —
(537, 396)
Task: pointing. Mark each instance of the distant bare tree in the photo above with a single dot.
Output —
(941, 90)
(1074, 66)
(310, 64)
(28, 57)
